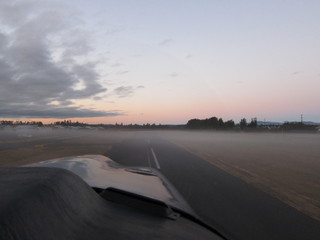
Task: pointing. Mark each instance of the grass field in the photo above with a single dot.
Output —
(35, 145)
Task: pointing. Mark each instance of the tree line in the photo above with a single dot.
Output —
(67, 123)
(218, 124)
(213, 123)
(297, 126)
(16, 123)
(210, 123)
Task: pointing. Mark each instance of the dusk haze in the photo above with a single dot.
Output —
(161, 62)
(160, 119)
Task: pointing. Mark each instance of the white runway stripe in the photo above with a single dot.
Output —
(155, 159)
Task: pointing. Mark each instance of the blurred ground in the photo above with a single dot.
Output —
(286, 166)
(33, 145)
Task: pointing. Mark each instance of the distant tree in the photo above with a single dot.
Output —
(194, 124)
(15, 123)
(229, 124)
(213, 122)
(243, 123)
(6, 122)
(253, 123)
(297, 126)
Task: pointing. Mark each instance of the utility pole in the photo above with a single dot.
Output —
(301, 118)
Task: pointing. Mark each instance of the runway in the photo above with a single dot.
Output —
(231, 205)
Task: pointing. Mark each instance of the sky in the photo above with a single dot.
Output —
(152, 61)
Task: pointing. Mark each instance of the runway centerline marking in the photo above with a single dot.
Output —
(148, 157)
(155, 159)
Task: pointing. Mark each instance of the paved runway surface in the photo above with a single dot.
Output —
(234, 207)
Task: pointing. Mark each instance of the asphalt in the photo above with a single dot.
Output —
(234, 207)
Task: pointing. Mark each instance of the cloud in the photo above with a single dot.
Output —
(122, 72)
(114, 30)
(174, 74)
(98, 98)
(43, 54)
(124, 91)
(22, 111)
(115, 65)
(166, 42)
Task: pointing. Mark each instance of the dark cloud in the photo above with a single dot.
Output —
(23, 111)
(124, 91)
(40, 47)
(97, 98)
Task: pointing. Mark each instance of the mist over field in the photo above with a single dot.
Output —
(26, 144)
(285, 165)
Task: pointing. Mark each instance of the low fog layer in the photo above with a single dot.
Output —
(26, 144)
(285, 165)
